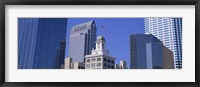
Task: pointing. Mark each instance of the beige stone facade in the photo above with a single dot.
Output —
(168, 58)
(76, 65)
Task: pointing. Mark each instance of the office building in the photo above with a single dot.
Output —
(100, 58)
(169, 31)
(73, 65)
(122, 64)
(78, 65)
(148, 52)
(61, 55)
(82, 40)
(39, 41)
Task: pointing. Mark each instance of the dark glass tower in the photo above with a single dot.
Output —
(61, 55)
(39, 40)
(82, 40)
(148, 52)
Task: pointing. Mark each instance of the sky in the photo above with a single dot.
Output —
(116, 32)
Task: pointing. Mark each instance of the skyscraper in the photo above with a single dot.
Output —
(82, 40)
(169, 31)
(61, 55)
(148, 52)
(39, 41)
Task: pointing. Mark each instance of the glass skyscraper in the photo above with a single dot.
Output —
(148, 52)
(61, 55)
(39, 40)
(169, 31)
(82, 41)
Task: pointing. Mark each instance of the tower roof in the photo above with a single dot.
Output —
(101, 38)
(85, 25)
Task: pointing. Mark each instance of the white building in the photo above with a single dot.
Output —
(68, 63)
(99, 58)
(123, 65)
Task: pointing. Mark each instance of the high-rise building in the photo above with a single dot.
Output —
(100, 57)
(169, 31)
(148, 52)
(39, 41)
(82, 40)
(61, 55)
(122, 64)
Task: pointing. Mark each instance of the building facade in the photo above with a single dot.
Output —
(61, 55)
(100, 58)
(39, 41)
(73, 65)
(82, 40)
(169, 31)
(147, 52)
(117, 66)
(122, 64)
(68, 63)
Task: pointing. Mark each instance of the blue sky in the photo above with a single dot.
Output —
(116, 33)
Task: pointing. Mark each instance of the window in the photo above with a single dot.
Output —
(104, 64)
(93, 59)
(108, 66)
(93, 64)
(88, 65)
(98, 64)
(75, 29)
(81, 33)
(88, 60)
(105, 59)
(85, 26)
(108, 60)
(112, 62)
(82, 68)
(98, 59)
